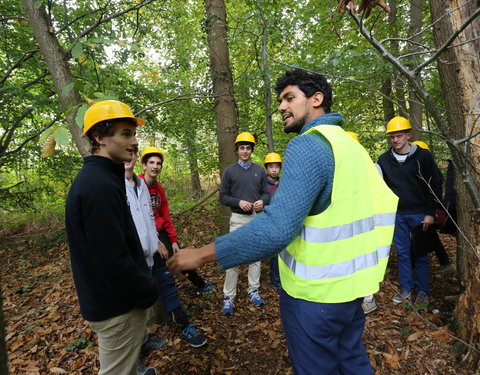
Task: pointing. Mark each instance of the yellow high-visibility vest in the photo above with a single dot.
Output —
(341, 254)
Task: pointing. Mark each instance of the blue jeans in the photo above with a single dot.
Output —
(325, 338)
(412, 271)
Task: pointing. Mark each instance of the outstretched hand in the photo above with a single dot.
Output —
(191, 259)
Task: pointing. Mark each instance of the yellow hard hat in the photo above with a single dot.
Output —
(107, 110)
(245, 137)
(397, 124)
(422, 145)
(272, 157)
(354, 136)
(151, 150)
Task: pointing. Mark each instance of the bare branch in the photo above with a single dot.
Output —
(449, 41)
(183, 97)
(27, 55)
(36, 134)
(115, 15)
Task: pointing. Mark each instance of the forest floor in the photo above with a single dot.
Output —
(45, 333)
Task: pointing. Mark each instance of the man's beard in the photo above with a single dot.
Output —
(296, 126)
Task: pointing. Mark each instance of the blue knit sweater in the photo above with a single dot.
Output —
(307, 179)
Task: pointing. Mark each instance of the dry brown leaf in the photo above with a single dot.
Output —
(57, 370)
(415, 336)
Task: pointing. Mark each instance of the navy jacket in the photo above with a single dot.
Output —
(108, 264)
(407, 181)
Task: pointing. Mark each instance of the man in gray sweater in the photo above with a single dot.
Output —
(244, 190)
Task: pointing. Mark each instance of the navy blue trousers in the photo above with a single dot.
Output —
(325, 338)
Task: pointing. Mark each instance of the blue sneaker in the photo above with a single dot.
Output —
(255, 298)
(194, 338)
(228, 306)
(206, 289)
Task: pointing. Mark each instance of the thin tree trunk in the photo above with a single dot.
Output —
(459, 67)
(415, 107)
(225, 107)
(3, 348)
(193, 166)
(267, 90)
(57, 65)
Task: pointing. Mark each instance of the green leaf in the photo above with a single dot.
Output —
(47, 133)
(68, 88)
(62, 136)
(38, 4)
(77, 49)
(80, 114)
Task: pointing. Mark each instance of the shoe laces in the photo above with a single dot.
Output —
(190, 331)
(254, 295)
(227, 303)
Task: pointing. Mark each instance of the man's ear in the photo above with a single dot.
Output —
(409, 136)
(317, 99)
(100, 139)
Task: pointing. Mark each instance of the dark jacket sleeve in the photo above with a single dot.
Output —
(265, 194)
(225, 196)
(429, 171)
(113, 242)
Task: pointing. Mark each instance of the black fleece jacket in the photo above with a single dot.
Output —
(109, 268)
(406, 182)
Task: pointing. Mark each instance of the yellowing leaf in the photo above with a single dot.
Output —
(48, 146)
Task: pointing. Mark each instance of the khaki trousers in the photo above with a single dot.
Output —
(119, 342)
(231, 276)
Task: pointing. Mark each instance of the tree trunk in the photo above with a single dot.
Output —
(415, 107)
(268, 91)
(459, 67)
(57, 65)
(3, 348)
(193, 166)
(225, 106)
(387, 104)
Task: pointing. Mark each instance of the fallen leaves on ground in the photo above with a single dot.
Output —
(45, 333)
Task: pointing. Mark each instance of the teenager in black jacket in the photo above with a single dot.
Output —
(111, 276)
(410, 172)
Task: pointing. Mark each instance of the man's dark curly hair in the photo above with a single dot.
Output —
(309, 83)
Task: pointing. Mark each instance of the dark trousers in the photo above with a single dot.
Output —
(325, 338)
(274, 272)
(192, 275)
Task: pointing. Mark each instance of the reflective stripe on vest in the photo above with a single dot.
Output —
(338, 269)
(341, 232)
(341, 254)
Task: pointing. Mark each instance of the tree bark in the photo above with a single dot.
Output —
(225, 106)
(458, 67)
(56, 61)
(415, 107)
(3, 347)
(267, 91)
(193, 166)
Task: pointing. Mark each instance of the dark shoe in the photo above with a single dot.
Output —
(206, 289)
(143, 370)
(422, 298)
(149, 345)
(194, 338)
(445, 270)
(402, 296)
